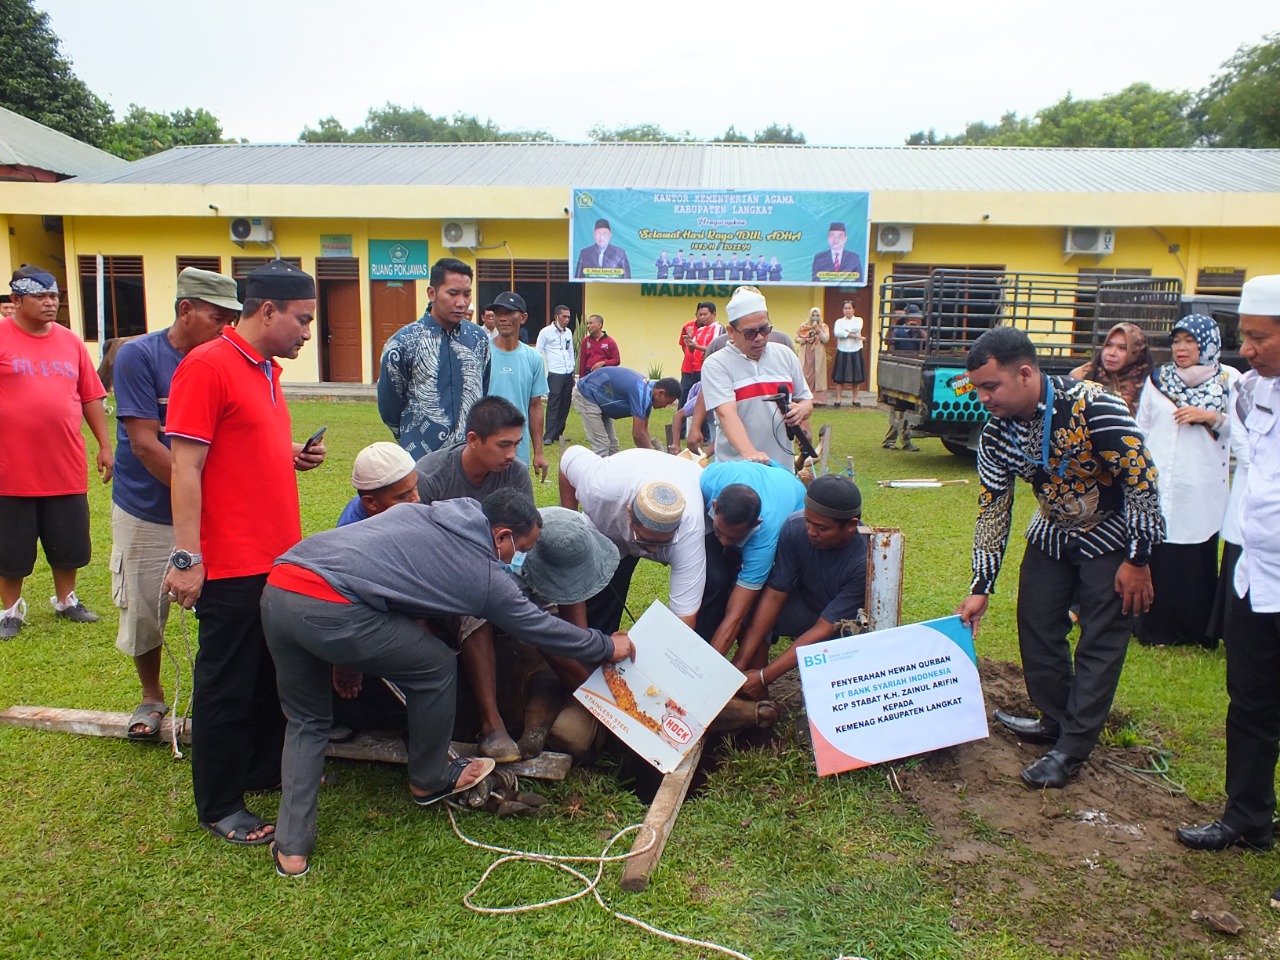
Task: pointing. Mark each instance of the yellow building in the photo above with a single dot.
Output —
(366, 218)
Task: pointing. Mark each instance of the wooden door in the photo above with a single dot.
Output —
(864, 306)
(340, 331)
(395, 304)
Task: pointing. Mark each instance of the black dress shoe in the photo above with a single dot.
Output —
(1041, 730)
(1054, 769)
(1218, 836)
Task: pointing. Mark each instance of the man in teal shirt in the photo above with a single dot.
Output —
(518, 373)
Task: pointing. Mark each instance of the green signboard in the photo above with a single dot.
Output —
(398, 260)
(335, 245)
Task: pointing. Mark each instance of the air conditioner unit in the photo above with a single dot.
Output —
(460, 233)
(1098, 241)
(894, 237)
(246, 229)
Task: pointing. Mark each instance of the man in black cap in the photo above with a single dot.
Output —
(235, 509)
(602, 260)
(836, 264)
(819, 579)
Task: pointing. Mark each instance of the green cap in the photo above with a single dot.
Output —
(194, 284)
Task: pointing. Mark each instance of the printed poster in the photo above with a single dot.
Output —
(891, 694)
(661, 704)
(682, 236)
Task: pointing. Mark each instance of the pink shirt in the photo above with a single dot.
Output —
(44, 384)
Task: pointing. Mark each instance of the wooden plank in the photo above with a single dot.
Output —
(670, 436)
(661, 819)
(824, 449)
(365, 746)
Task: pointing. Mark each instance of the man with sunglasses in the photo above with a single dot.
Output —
(738, 382)
(1091, 539)
(650, 505)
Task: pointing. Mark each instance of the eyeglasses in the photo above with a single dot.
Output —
(755, 332)
(651, 545)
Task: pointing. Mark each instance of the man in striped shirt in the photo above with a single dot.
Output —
(1090, 540)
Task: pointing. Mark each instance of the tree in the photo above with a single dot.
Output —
(732, 136)
(393, 123)
(1137, 116)
(774, 133)
(637, 133)
(143, 132)
(37, 82)
(1241, 105)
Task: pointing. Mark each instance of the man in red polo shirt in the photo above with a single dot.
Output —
(235, 509)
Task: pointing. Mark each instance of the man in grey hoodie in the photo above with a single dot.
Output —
(356, 595)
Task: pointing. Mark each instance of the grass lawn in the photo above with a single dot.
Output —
(102, 855)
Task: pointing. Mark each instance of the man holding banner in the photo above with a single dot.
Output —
(1091, 539)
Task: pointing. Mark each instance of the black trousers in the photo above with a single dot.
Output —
(1185, 578)
(687, 380)
(1253, 716)
(559, 399)
(604, 610)
(723, 566)
(237, 726)
(1076, 695)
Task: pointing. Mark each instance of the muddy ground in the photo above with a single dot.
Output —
(1090, 870)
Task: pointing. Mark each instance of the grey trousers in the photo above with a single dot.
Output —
(599, 428)
(306, 637)
(1075, 695)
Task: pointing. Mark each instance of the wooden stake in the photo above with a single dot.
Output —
(661, 819)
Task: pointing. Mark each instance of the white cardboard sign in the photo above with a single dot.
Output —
(891, 694)
(660, 705)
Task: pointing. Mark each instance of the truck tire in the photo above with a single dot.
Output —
(959, 449)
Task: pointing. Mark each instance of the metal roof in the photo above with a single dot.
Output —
(25, 143)
(710, 166)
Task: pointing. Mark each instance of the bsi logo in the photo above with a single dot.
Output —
(813, 659)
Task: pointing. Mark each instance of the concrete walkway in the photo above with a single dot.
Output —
(331, 391)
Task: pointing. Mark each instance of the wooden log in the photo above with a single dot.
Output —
(365, 746)
(661, 819)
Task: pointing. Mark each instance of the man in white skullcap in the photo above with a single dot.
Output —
(1252, 628)
(383, 475)
(738, 381)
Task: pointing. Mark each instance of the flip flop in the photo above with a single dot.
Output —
(235, 827)
(281, 871)
(456, 766)
(150, 724)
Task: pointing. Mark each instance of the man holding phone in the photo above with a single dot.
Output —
(227, 409)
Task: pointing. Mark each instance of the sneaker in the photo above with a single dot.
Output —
(11, 620)
(74, 610)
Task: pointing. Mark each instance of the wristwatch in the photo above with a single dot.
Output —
(183, 560)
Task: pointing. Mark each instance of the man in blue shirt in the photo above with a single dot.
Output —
(141, 516)
(383, 475)
(749, 503)
(435, 369)
(819, 578)
(614, 393)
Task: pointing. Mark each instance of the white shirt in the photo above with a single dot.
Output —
(1195, 466)
(605, 487)
(848, 331)
(556, 347)
(729, 375)
(1231, 529)
(1258, 572)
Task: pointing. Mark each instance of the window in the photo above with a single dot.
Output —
(543, 283)
(200, 263)
(1220, 280)
(124, 296)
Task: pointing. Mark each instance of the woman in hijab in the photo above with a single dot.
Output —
(811, 341)
(1122, 365)
(1184, 415)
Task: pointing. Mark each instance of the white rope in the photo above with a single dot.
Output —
(589, 885)
(176, 726)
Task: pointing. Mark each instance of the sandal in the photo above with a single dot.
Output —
(281, 871)
(235, 829)
(143, 717)
(456, 766)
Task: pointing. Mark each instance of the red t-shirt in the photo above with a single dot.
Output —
(226, 395)
(694, 359)
(44, 384)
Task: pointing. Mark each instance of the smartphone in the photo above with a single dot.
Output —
(314, 439)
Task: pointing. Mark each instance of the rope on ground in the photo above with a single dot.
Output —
(1154, 775)
(589, 885)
